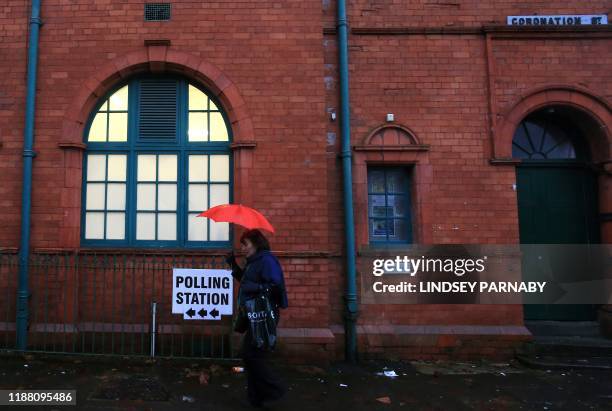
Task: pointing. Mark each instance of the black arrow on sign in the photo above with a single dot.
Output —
(190, 312)
(202, 312)
(214, 312)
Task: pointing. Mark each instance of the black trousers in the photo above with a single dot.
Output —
(263, 383)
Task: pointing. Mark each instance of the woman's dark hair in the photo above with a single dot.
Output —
(257, 238)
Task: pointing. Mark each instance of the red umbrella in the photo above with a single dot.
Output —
(238, 214)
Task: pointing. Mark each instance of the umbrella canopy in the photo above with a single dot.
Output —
(238, 214)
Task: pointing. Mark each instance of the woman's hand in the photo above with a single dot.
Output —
(230, 258)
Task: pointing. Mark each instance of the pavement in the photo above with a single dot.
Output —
(119, 383)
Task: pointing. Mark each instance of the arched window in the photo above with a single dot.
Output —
(157, 155)
(546, 135)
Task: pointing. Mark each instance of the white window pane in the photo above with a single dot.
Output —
(119, 100)
(218, 131)
(197, 228)
(167, 167)
(198, 129)
(97, 131)
(166, 197)
(219, 194)
(115, 197)
(198, 197)
(94, 226)
(96, 167)
(145, 197)
(198, 168)
(117, 127)
(213, 106)
(104, 106)
(166, 226)
(197, 99)
(219, 168)
(95, 196)
(117, 167)
(145, 226)
(146, 167)
(115, 226)
(219, 231)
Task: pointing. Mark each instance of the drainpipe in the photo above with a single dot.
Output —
(26, 197)
(350, 294)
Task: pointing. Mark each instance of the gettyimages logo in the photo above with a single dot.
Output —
(412, 266)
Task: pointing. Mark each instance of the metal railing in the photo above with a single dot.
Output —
(109, 303)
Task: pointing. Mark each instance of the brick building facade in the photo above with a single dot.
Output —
(457, 78)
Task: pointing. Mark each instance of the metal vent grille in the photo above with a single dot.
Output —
(158, 110)
(157, 11)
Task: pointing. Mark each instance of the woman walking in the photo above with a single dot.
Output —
(262, 271)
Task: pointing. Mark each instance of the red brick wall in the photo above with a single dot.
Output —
(272, 54)
(437, 85)
(456, 13)
(285, 70)
(525, 64)
(13, 41)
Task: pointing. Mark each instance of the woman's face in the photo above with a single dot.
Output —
(247, 247)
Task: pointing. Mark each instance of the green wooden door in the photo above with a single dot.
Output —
(557, 204)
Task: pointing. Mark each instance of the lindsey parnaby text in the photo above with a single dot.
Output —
(455, 267)
(443, 287)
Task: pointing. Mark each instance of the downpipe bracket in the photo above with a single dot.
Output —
(29, 153)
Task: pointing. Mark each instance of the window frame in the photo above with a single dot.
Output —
(134, 146)
(408, 197)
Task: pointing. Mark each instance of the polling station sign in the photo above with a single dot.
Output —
(202, 294)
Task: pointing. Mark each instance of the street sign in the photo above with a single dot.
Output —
(558, 20)
(202, 294)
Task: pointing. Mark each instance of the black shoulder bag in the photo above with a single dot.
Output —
(261, 319)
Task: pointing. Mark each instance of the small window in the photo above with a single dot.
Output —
(389, 205)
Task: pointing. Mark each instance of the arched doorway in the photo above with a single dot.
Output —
(556, 190)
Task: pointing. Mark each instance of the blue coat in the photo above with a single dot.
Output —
(262, 271)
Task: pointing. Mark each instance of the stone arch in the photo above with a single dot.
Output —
(581, 99)
(593, 109)
(152, 59)
(391, 135)
(156, 59)
(393, 145)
